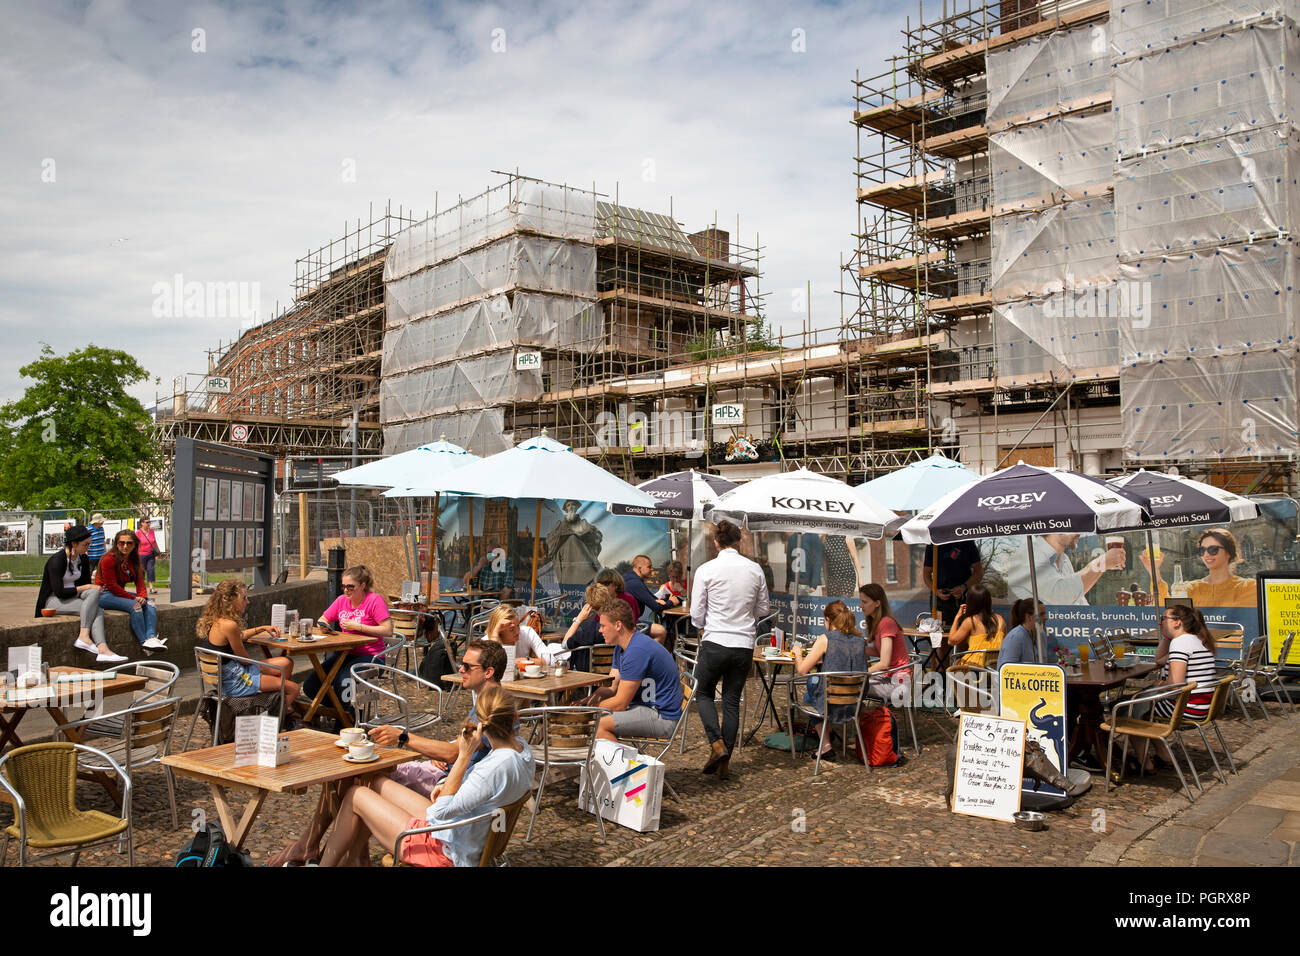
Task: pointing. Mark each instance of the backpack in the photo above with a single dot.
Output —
(880, 732)
(434, 665)
(209, 848)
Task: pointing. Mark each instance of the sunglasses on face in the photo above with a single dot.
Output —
(468, 667)
(1210, 549)
(127, 542)
(349, 587)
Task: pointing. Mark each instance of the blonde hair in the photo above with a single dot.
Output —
(495, 710)
(221, 606)
(597, 596)
(500, 614)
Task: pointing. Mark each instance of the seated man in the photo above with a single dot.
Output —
(647, 700)
(482, 666)
(634, 583)
(493, 574)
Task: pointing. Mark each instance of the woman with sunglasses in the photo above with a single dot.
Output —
(357, 611)
(1220, 587)
(120, 567)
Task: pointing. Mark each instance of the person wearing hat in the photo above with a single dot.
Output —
(66, 589)
(97, 548)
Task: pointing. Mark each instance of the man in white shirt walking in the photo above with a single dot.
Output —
(727, 599)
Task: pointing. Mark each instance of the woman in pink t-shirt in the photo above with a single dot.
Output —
(148, 551)
(884, 641)
(358, 610)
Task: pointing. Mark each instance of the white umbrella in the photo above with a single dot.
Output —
(803, 501)
(410, 468)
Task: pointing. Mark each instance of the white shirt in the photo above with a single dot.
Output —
(728, 597)
(1058, 582)
(528, 645)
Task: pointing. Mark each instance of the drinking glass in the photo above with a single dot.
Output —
(1084, 649)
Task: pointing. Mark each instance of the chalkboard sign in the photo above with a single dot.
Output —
(990, 758)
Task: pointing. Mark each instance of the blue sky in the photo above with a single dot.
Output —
(128, 156)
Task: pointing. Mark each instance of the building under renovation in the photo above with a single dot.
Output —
(1084, 210)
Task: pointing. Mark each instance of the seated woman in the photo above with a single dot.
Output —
(519, 640)
(221, 628)
(497, 780)
(66, 589)
(1019, 646)
(358, 610)
(584, 632)
(119, 568)
(978, 627)
(885, 641)
(841, 648)
(614, 582)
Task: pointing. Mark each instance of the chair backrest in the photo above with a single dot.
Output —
(1232, 640)
(602, 658)
(499, 837)
(972, 688)
(45, 776)
(843, 688)
(568, 733)
(150, 723)
(209, 668)
(1180, 704)
(1220, 699)
(1255, 652)
(405, 624)
(1284, 652)
(1100, 644)
(392, 644)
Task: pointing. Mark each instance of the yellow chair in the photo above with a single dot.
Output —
(1211, 719)
(1149, 730)
(41, 781)
(494, 847)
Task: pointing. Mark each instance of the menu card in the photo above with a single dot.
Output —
(25, 660)
(410, 591)
(278, 612)
(990, 760)
(258, 741)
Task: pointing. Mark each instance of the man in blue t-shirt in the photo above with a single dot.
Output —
(647, 699)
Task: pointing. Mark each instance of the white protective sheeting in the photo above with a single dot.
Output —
(484, 429)
(1017, 356)
(1217, 303)
(482, 380)
(1139, 27)
(1052, 160)
(1063, 247)
(1230, 406)
(1067, 329)
(1238, 188)
(1066, 69)
(1232, 82)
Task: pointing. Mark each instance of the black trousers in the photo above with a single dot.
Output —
(731, 665)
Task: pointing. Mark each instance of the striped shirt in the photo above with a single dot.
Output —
(1200, 668)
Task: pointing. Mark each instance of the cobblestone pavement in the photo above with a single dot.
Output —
(773, 811)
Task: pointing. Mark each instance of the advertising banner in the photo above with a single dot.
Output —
(1035, 693)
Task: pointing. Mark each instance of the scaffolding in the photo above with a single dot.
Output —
(1065, 193)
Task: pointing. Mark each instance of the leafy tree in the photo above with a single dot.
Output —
(76, 438)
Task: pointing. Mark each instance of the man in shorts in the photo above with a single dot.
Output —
(647, 699)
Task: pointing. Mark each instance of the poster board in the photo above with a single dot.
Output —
(1279, 612)
(990, 762)
(385, 557)
(13, 537)
(1035, 693)
(52, 534)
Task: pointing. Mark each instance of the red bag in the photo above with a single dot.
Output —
(880, 733)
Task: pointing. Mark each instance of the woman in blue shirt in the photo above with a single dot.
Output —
(496, 781)
(1019, 646)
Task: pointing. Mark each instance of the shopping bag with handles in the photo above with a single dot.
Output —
(626, 786)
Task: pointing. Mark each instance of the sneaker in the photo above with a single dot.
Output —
(86, 646)
(109, 658)
(155, 644)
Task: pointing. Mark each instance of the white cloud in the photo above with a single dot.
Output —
(225, 165)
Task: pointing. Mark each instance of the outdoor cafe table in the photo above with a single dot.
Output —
(327, 643)
(314, 760)
(677, 618)
(546, 689)
(769, 666)
(1085, 689)
(72, 694)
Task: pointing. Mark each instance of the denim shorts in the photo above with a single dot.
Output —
(239, 679)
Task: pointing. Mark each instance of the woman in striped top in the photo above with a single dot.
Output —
(1188, 646)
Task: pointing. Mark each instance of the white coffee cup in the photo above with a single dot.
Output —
(361, 751)
(352, 735)
(533, 670)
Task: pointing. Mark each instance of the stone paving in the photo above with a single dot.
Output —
(774, 812)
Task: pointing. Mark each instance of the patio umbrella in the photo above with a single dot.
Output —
(1172, 501)
(682, 495)
(543, 468)
(1025, 500)
(803, 501)
(918, 486)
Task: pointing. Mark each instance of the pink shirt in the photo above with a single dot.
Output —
(148, 541)
(373, 610)
(898, 652)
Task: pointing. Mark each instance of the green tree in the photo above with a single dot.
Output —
(76, 438)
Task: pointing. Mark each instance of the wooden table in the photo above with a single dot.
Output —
(328, 643)
(1086, 688)
(547, 689)
(675, 619)
(314, 760)
(76, 694)
(768, 666)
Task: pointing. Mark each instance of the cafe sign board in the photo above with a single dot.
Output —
(990, 760)
(1035, 694)
(528, 361)
(1279, 612)
(218, 385)
(729, 413)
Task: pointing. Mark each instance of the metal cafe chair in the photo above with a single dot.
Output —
(1272, 673)
(1148, 730)
(379, 700)
(159, 677)
(688, 692)
(1252, 659)
(568, 739)
(910, 668)
(1211, 719)
(211, 692)
(498, 836)
(842, 689)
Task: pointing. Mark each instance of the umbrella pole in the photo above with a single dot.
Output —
(471, 532)
(1033, 586)
(537, 537)
(433, 545)
(406, 535)
(1155, 580)
(934, 579)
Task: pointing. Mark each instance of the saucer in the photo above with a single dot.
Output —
(340, 743)
(308, 639)
(351, 759)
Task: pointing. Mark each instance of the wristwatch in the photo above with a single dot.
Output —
(403, 738)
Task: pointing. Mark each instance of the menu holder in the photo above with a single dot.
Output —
(990, 765)
(25, 660)
(258, 741)
(278, 612)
